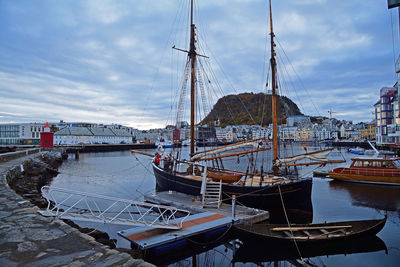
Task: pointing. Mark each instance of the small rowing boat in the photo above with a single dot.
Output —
(225, 176)
(319, 232)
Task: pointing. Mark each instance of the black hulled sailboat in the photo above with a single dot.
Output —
(258, 190)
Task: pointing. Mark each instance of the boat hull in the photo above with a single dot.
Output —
(265, 233)
(359, 178)
(296, 195)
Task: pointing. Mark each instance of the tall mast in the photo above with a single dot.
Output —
(192, 56)
(273, 73)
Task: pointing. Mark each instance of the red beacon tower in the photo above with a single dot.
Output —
(46, 137)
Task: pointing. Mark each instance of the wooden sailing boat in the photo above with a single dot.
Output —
(311, 233)
(258, 190)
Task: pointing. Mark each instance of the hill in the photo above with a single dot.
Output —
(235, 110)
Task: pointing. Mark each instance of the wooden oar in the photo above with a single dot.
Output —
(310, 228)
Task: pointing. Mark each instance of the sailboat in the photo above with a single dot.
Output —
(268, 191)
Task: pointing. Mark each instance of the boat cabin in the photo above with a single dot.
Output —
(392, 163)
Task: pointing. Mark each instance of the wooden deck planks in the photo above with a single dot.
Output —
(147, 237)
(154, 232)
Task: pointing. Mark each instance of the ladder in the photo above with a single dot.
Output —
(75, 205)
(212, 195)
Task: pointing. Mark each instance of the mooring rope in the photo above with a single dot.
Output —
(290, 228)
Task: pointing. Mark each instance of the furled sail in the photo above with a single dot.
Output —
(316, 157)
(260, 145)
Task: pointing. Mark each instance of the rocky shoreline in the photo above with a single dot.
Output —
(26, 239)
(27, 178)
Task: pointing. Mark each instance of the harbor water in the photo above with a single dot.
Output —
(129, 176)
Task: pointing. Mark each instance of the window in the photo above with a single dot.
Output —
(357, 163)
(386, 164)
(367, 163)
(376, 164)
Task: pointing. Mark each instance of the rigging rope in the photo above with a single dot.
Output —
(301, 82)
(287, 220)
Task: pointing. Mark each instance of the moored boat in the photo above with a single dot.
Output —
(163, 143)
(313, 233)
(370, 170)
(225, 176)
(251, 192)
(256, 187)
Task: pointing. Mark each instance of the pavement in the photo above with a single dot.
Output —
(29, 239)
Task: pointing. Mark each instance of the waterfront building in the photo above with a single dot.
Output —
(147, 136)
(220, 134)
(321, 132)
(346, 130)
(287, 132)
(20, 133)
(86, 135)
(387, 116)
(206, 135)
(369, 132)
(297, 120)
(260, 132)
(304, 133)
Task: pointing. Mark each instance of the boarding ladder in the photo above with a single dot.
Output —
(212, 195)
(74, 205)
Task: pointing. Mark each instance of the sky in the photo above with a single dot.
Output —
(111, 61)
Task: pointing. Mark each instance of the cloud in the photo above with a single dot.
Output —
(111, 61)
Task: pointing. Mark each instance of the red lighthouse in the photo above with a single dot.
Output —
(46, 137)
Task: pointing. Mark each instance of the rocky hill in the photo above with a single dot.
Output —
(235, 109)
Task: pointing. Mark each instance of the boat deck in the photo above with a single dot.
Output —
(242, 214)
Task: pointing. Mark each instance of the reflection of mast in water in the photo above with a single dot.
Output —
(379, 197)
(271, 252)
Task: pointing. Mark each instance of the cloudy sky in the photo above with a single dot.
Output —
(111, 61)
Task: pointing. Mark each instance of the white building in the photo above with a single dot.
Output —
(287, 132)
(20, 133)
(260, 132)
(85, 135)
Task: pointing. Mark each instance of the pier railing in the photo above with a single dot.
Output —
(75, 205)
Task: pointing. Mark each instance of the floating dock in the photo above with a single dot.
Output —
(145, 237)
(205, 223)
(243, 214)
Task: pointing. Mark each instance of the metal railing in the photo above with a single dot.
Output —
(75, 205)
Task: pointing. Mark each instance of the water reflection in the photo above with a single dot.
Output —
(122, 175)
(194, 253)
(379, 197)
(271, 252)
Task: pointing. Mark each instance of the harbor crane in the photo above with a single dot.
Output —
(330, 113)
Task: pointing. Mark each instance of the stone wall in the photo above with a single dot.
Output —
(14, 155)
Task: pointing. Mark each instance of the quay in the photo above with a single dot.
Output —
(29, 239)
